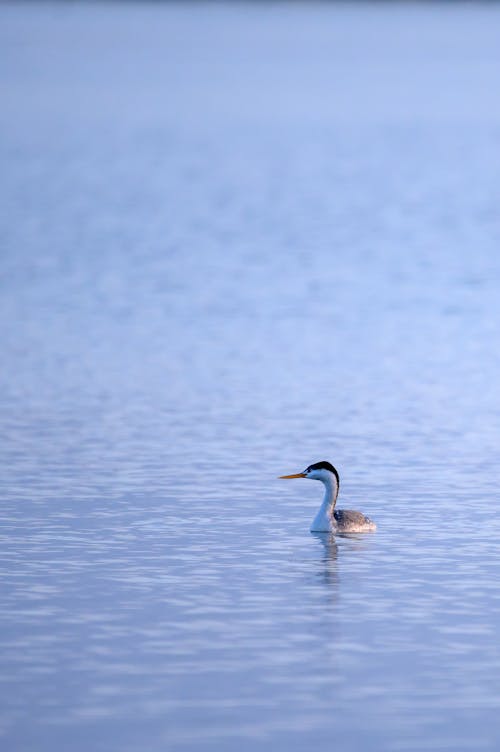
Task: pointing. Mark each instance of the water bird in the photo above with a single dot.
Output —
(329, 519)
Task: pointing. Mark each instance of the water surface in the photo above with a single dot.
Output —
(237, 240)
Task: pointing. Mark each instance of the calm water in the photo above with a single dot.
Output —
(237, 240)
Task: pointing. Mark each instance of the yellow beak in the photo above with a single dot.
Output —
(297, 475)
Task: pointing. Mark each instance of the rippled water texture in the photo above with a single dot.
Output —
(238, 239)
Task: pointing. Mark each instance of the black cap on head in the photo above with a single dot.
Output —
(324, 465)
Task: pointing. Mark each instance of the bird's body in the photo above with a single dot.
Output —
(329, 519)
(349, 521)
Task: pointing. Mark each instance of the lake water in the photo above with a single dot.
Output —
(238, 239)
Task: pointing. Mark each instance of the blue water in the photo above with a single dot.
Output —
(236, 240)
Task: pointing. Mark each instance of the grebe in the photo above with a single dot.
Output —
(329, 519)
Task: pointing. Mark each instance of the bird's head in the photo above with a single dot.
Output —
(323, 471)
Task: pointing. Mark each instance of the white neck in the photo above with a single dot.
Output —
(324, 521)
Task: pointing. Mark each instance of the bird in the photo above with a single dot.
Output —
(329, 519)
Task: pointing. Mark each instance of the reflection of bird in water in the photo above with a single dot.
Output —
(329, 572)
(328, 518)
